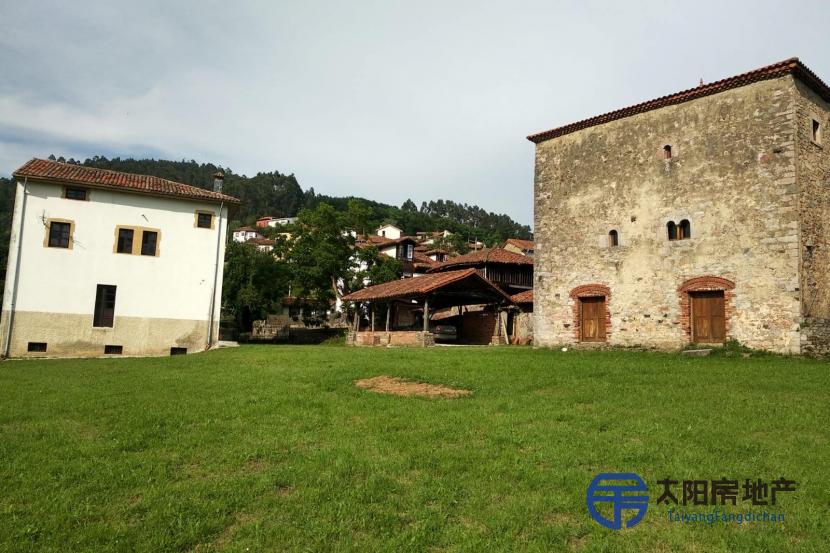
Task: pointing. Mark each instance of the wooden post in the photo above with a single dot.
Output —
(388, 313)
(356, 317)
(426, 314)
(372, 307)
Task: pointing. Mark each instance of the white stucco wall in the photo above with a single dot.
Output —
(389, 231)
(175, 285)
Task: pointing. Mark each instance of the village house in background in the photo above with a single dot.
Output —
(103, 262)
(698, 217)
(243, 234)
(515, 245)
(389, 231)
(268, 221)
(512, 272)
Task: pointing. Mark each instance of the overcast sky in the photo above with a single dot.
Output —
(382, 99)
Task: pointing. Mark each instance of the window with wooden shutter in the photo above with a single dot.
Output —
(125, 240)
(75, 194)
(104, 315)
(204, 219)
(59, 234)
(149, 240)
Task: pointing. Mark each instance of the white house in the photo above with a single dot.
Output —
(243, 234)
(389, 231)
(282, 221)
(102, 262)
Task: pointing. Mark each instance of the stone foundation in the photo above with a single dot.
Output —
(410, 338)
(815, 337)
(71, 335)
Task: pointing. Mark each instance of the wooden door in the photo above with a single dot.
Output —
(708, 318)
(592, 319)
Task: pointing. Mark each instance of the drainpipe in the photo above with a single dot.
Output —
(215, 277)
(13, 303)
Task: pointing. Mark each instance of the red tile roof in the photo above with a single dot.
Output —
(66, 173)
(423, 262)
(246, 229)
(417, 286)
(260, 241)
(519, 243)
(380, 241)
(523, 297)
(491, 255)
(791, 66)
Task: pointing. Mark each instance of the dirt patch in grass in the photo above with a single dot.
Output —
(410, 388)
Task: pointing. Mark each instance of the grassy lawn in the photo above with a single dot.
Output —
(274, 448)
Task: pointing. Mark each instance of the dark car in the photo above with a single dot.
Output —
(445, 333)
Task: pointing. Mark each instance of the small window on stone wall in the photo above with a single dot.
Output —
(679, 231)
(613, 239)
(667, 151)
(816, 132)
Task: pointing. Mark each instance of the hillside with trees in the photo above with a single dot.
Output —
(280, 195)
(321, 254)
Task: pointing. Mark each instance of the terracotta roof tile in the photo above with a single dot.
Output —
(791, 66)
(487, 255)
(523, 297)
(423, 262)
(57, 172)
(416, 286)
(519, 243)
(260, 241)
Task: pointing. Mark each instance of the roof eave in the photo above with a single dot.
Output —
(792, 66)
(52, 180)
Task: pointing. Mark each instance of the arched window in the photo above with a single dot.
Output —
(667, 151)
(671, 229)
(613, 238)
(684, 230)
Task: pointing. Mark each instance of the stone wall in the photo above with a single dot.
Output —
(732, 174)
(522, 329)
(410, 338)
(813, 171)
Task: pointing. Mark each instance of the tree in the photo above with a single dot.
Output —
(358, 216)
(320, 255)
(254, 283)
(377, 269)
(409, 206)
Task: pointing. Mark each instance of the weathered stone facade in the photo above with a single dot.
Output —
(743, 170)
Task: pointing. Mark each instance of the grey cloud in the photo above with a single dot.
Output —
(387, 100)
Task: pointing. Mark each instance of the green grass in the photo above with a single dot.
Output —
(267, 448)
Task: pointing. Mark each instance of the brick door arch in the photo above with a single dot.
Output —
(706, 283)
(593, 290)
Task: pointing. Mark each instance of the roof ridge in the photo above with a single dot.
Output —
(113, 171)
(47, 170)
(790, 65)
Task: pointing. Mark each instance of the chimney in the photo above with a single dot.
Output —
(218, 181)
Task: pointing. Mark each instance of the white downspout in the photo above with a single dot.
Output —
(215, 277)
(13, 303)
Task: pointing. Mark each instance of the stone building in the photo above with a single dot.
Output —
(698, 217)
